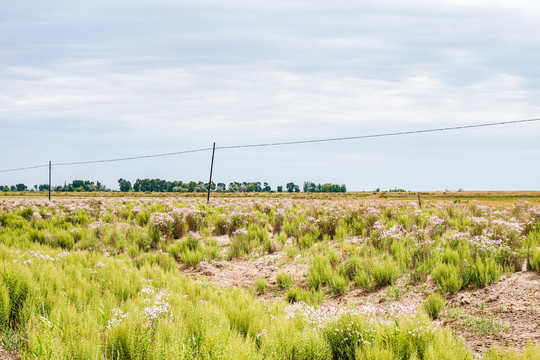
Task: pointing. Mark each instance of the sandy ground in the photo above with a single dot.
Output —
(7, 355)
(506, 313)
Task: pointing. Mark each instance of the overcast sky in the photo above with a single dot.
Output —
(106, 79)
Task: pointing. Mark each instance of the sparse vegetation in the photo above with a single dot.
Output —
(433, 305)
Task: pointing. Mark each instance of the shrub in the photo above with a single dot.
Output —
(338, 284)
(363, 280)
(239, 245)
(484, 273)
(385, 272)
(320, 272)
(37, 236)
(284, 280)
(65, 240)
(434, 305)
(352, 266)
(188, 250)
(142, 218)
(447, 278)
(450, 257)
(306, 241)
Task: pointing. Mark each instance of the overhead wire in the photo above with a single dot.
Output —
(310, 141)
(377, 135)
(24, 168)
(132, 157)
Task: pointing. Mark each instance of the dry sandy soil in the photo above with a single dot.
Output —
(6, 355)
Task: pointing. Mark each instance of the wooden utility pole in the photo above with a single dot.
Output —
(211, 168)
(419, 201)
(49, 181)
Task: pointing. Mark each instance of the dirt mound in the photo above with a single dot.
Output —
(506, 313)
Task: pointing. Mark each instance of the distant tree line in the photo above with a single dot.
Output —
(324, 188)
(75, 186)
(391, 190)
(158, 185)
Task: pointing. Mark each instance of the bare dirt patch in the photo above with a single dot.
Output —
(8, 355)
(506, 313)
(243, 272)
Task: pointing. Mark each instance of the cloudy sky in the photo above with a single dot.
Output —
(102, 79)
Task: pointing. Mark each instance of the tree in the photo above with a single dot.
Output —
(280, 188)
(290, 186)
(21, 187)
(124, 185)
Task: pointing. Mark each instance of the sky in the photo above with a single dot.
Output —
(83, 81)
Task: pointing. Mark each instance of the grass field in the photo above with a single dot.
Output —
(352, 276)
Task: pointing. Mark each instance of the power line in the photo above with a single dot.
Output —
(284, 143)
(132, 157)
(25, 168)
(377, 135)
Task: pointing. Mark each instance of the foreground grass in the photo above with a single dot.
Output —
(98, 279)
(80, 305)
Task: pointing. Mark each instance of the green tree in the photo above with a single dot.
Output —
(124, 185)
(290, 186)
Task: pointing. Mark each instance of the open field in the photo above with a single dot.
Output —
(351, 276)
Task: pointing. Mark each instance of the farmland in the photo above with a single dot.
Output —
(350, 276)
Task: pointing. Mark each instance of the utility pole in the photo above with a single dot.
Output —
(49, 180)
(211, 168)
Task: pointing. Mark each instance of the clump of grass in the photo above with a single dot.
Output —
(433, 305)
(338, 284)
(535, 260)
(450, 257)
(187, 250)
(142, 218)
(346, 334)
(310, 297)
(385, 272)
(240, 244)
(65, 240)
(447, 278)
(530, 352)
(320, 272)
(485, 272)
(261, 285)
(483, 324)
(284, 280)
(307, 240)
(363, 280)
